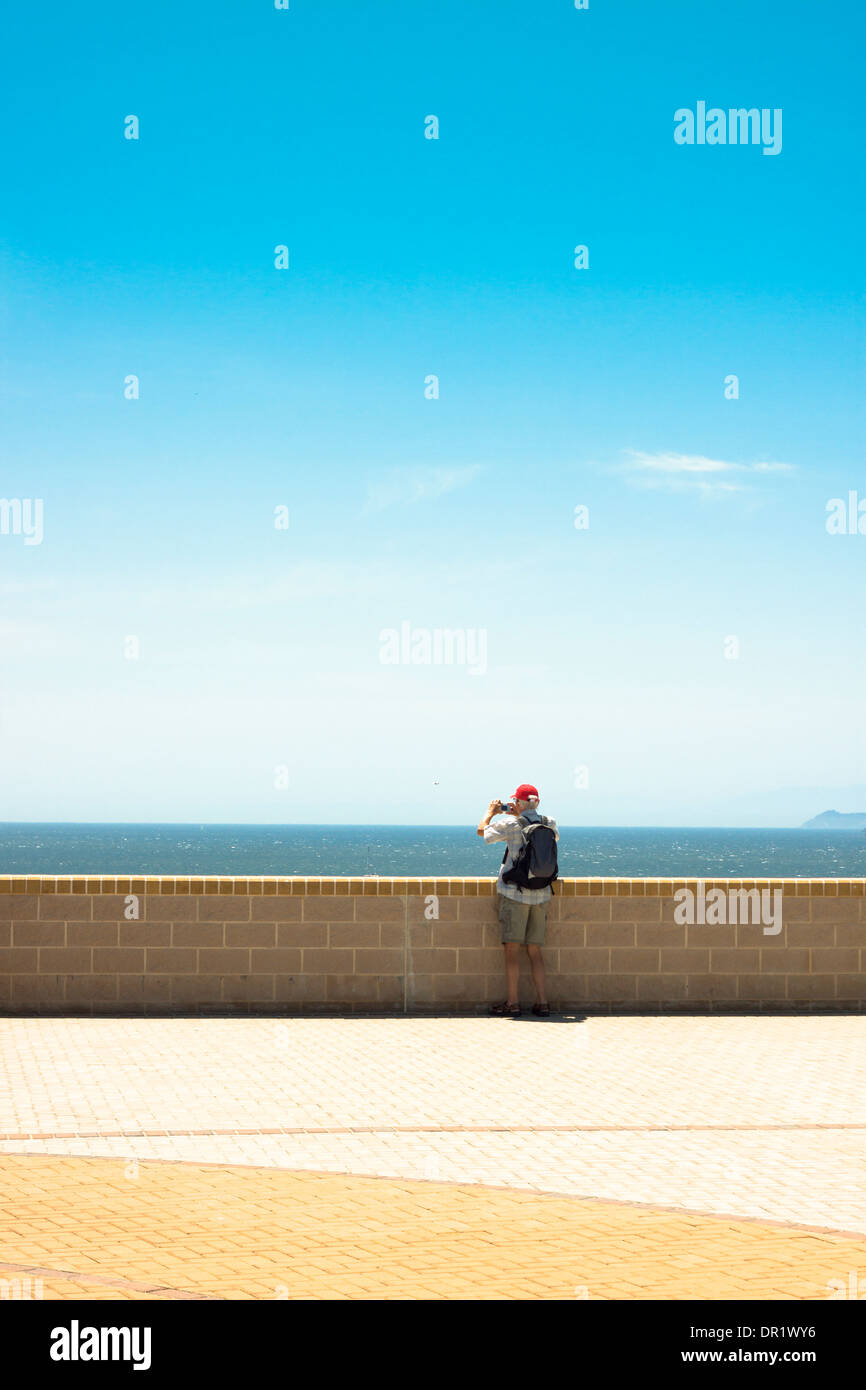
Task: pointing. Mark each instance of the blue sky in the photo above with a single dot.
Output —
(259, 693)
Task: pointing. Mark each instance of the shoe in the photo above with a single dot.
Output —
(505, 1010)
(541, 1010)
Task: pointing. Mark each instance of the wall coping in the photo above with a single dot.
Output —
(297, 885)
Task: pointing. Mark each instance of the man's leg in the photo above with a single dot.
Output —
(536, 965)
(536, 928)
(512, 920)
(512, 970)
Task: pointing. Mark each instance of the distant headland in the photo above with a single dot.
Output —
(837, 820)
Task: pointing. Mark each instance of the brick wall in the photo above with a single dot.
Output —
(290, 945)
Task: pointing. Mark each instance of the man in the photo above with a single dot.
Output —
(522, 912)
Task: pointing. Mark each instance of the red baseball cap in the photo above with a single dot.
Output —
(525, 792)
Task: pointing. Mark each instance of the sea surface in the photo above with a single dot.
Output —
(428, 851)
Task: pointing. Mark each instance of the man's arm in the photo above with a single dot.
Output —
(488, 817)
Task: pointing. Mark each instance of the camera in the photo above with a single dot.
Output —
(504, 803)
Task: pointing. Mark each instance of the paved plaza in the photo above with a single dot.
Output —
(589, 1158)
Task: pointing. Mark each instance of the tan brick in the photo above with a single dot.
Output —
(284, 960)
(379, 909)
(92, 933)
(90, 989)
(197, 934)
(457, 988)
(492, 937)
(64, 960)
(327, 962)
(664, 934)
(225, 960)
(811, 934)
(170, 961)
(756, 936)
(37, 989)
(143, 989)
(610, 988)
(618, 934)
(851, 934)
(435, 960)
(116, 960)
(276, 909)
(390, 988)
(23, 907)
(302, 934)
(139, 933)
(5, 933)
(196, 989)
(833, 961)
(584, 909)
(634, 961)
(223, 908)
(564, 989)
(40, 933)
(700, 937)
(787, 962)
(735, 962)
(476, 960)
(811, 987)
(308, 989)
(835, 909)
(334, 909)
(477, 909)
(352, 988)
(68, 907)
(685, 961)
(250, 933)
(635, 909)
(851, 987)
(391, 934)
(763, 987)
(661, 988)
(594, 959)
(795, 909)
(246, 989)
(168, 907)
(378, 961)
(708, 986)
(563, 933)
(419, 989)
(457, 934)
(154, 989)
(353, 934)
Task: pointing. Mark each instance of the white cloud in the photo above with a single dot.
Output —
(416, 484)
(678, 472)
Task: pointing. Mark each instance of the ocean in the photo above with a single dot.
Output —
(427, 851)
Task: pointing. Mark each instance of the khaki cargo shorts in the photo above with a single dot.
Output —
(522, 923)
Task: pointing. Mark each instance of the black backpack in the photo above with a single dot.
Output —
(535, 864)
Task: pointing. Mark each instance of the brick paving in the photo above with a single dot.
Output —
(634, 1157)
(97, 1228)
